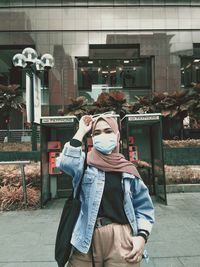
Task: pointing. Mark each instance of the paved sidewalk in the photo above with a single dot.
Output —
(27, 237)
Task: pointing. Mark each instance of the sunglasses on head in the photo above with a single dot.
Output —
(111, 114)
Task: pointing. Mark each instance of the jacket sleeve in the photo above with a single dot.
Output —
(143, 205)
(71, 161)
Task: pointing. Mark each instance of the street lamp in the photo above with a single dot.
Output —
(33, 65)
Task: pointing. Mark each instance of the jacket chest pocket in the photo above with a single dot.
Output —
(87, 184)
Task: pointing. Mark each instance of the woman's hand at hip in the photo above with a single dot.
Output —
(135, 255)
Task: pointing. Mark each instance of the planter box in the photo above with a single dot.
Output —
(16, 155)
(183, 188)
(191, 133)
(172, 128)
(182, 156)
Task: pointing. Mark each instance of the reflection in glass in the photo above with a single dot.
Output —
(39, 65)
(19, 60)
(196, 49)
(190, 71)
(30, 55)
(47, 60)
(113, 74)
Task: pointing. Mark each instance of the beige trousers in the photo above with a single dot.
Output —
(110, 244)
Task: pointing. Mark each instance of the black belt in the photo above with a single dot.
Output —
(102, 221)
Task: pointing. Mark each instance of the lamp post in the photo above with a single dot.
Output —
(33, 65)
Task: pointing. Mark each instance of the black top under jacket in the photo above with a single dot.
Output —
(112, 200)
(113, 197)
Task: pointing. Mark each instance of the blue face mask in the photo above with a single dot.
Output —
(105, 143)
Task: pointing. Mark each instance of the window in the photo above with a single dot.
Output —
(190, 68)
(8, 73)
(130, 76)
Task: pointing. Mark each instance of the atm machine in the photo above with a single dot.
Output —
(55, 132)
(141, 136)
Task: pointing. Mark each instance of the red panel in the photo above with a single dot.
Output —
(52, 163)
(54, 145)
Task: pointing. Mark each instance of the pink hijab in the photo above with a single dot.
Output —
(114, 162)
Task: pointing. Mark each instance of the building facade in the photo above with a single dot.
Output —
(137, 46)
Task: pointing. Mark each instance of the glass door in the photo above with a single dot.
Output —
(158, 163)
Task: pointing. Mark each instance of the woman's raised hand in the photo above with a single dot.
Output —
(85, 124)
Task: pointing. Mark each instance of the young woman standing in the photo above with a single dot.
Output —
(117, 213)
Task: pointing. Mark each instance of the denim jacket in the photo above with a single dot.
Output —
(137, 202)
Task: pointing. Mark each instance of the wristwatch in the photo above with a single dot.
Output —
(144, 234)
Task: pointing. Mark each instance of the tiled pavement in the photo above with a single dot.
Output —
(27, 237)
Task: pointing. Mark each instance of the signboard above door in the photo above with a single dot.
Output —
(114, 51)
